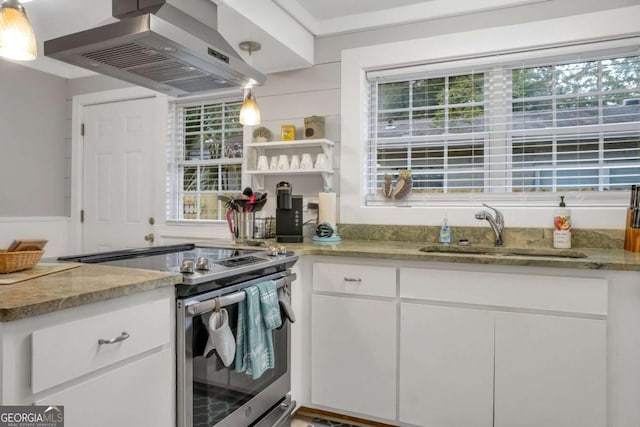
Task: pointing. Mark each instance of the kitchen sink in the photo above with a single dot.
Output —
(503, 251)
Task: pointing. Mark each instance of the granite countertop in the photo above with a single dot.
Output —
(91, 283)
(604, 259)
(85, 284)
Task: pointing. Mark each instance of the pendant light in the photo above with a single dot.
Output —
(249, 112)
(17, 39)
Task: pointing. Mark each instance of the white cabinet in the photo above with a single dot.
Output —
(365, 280)
(550, 371)
(446, 366)
(56, 359)
(550, 357)
(136, 394)
(477, 348)
(69, 350)
(353, 355)
(311, 146)
(354, 339)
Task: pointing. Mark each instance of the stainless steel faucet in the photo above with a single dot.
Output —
(497, 223)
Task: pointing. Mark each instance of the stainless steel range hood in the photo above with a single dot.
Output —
(158, 46)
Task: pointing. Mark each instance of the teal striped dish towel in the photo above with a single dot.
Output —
(269, 304)
(254, 336)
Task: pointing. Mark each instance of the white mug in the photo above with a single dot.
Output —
(320, 161)
(306, 162)
(295, 162)
(274, 163)
(283, 162)
(263, 163)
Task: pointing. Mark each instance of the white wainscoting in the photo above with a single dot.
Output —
(54, 229)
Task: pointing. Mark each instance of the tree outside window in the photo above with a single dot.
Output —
(552, 127)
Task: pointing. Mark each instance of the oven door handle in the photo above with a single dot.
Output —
(230, 299)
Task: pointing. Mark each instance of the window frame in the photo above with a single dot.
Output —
(445, 140)
(617, 28)
(176, 161)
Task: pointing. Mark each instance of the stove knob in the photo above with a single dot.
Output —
(202, 264)
(187, 267)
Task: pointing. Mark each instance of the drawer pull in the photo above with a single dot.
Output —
(123, 336)
(353, 279)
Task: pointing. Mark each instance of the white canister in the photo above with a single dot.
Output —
(306, 162)
(321, 161)
(283, 162)
(263, 163)
(274, 163)
(295, 162)
(327, 207)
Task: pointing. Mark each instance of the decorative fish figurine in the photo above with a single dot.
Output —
(387, 190)
(401, 188)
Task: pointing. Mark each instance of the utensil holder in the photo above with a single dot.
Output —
(243, 226)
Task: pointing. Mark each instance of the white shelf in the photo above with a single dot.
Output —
(292, 144)
(263, 147)
(291, 172)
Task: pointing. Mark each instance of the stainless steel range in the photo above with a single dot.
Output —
(208, 393)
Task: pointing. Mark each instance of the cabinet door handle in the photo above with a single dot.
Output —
(353, 279)
(123, 336)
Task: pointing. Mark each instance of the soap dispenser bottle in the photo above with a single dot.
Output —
(445, 232)
(562, 226)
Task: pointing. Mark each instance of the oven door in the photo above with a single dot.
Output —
(210, 394)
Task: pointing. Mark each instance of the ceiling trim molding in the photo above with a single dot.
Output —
(300, 14)
(425, 11)
(278, 24)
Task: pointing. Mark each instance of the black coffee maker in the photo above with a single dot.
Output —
(288, 214)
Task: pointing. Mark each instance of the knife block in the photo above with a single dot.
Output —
(631, 235)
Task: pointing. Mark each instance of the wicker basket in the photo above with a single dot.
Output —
(16, 261)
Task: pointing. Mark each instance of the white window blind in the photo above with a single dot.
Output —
(205, 158)
(550, 125)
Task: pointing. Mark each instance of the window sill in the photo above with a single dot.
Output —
(617, 199)
(193, 230)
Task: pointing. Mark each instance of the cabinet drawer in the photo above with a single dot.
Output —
(354, 279)
(69, 350)
(136, 394)
(554, 293)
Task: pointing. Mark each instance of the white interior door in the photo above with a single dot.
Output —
(118, 174)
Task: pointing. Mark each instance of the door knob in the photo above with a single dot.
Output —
(149, 237)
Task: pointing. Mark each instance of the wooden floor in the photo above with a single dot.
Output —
(306, 417)
(303, 421)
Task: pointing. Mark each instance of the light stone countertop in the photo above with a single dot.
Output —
(91, 283)
(600, 259)
(85, 284)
